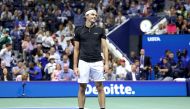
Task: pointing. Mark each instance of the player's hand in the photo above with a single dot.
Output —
(76, 71)
(106, 68)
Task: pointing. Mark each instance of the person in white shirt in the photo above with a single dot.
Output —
(161, 29)
(120, 18)
(55, 54)
(6, 56)
(6, 15)
(121, 70)
(50, 67)
(60, 33)
(47, 41)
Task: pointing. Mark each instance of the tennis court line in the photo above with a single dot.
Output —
(42, 108)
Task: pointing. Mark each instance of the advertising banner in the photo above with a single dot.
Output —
(70, 89)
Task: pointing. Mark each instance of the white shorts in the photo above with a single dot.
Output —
(90, 70)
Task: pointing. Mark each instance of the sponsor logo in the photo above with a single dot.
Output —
(112, 89)
(153, 39)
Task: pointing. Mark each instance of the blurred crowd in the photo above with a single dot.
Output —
(36, 37)
(178, 18)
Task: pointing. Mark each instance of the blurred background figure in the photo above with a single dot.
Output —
(110, 76)
(133, 75)
(67, 74)
(121, 70)
(56, 75)
(34, 71)
(145, 65)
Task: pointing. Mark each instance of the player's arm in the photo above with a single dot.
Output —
(105, 52)
(76, 54)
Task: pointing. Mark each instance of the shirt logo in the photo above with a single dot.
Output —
(95, 33)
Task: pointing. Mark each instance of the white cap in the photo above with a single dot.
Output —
(51, 57)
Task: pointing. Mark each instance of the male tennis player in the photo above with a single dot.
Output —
(90, 40)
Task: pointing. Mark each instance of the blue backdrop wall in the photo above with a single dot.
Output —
(155, 45)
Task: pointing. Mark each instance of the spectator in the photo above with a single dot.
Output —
(16, 35)
(27, 48)
(161, 29)
(179, 24)
(60, 33)
(66, 14)
(56, 75)
(70, 29)
(70, 55)
(6, 56)
(34, 71)
(50, 67)
(23, 77)
(55, 54)
(164, 69)
(171, 59)
(171, 28)
(137, 63)
(119, 18)
(6, 14)
(19, 70)
(187, 6)
(78, 18)
(47, 42)
(5, 75)
(67, 74)
(145, 65)
(133, 75)
(110, 76)
(121, 70)
(40, 23)
(5, 38)
(68, 44)
(40, 36)
(184, 61)
(185, 27)
(133, 10)
(58, 47)
(65, 60)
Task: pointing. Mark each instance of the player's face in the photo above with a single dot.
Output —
(92, 17)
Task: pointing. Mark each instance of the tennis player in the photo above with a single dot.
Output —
(89, 42)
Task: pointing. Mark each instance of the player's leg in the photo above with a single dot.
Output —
(97, 73)
(81, 95)
(83, 79)
(101, 94)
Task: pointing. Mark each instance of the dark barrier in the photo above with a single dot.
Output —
(70, 89)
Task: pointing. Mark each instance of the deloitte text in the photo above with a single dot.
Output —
(112, 89)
